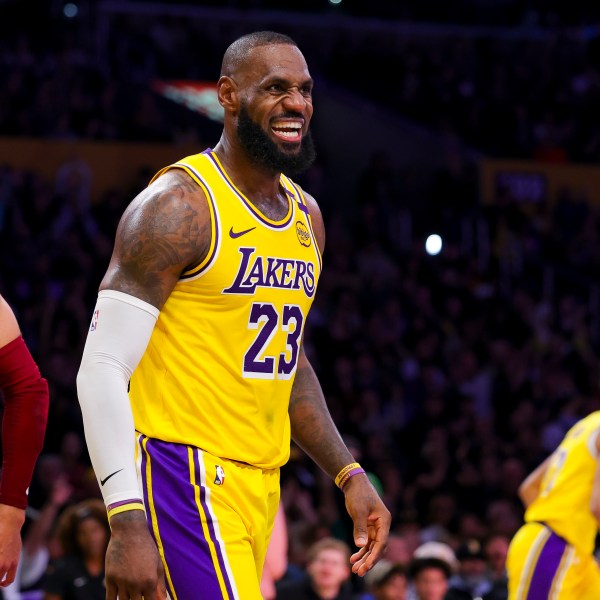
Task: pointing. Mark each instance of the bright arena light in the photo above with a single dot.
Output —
(70, 10)
(335, 2)
(433, 244)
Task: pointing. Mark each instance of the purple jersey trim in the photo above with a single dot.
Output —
(195, 271)
(309, 221)
(271, 224)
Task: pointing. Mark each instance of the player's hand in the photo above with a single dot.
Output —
(11, 521)
(133, 567)
(371, 523)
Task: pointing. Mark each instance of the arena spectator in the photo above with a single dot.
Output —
(471, 579)
(78, 574)
(327, 574)
(389, 581)
(429, 577)
(496, 550)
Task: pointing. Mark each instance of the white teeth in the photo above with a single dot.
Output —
(287, 129)
(288, 126)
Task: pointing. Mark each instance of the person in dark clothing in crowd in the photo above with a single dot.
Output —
(327, 574)
(83, 532)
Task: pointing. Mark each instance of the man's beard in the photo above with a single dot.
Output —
(264, 151)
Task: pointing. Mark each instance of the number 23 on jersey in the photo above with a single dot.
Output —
(268, 320)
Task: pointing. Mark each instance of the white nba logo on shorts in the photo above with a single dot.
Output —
(219, 475)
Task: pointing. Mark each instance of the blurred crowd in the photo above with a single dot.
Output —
(528, 98)
(529, 92)
(449, 376)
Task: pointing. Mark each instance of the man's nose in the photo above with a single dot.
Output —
(295, 100)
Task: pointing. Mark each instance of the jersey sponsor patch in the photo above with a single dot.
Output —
(303, 233)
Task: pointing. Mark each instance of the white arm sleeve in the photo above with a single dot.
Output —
(117, 339)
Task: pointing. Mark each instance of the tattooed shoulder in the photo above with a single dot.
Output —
(165, 229)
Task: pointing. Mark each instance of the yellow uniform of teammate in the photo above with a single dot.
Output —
(551, 557)
(225, 397)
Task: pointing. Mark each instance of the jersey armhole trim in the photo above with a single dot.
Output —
(215, 241)
(304, 209)
(591, 444)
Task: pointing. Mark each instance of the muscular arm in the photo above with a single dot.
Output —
(23, 426)
(529, 490)
(163, 231)
(312, 427)
(9, 328)
(315, 432)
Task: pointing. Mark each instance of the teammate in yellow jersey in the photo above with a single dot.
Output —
(201, 312)
(551, 556)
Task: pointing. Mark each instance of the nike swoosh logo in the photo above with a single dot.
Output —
(236, 234)
(103, 481)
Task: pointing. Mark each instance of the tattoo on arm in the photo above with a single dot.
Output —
(160, 234)
(312, 426)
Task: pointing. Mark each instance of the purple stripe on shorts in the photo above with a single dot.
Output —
(546, 568)
(145, 483)
(144, 465)
(211, 528)
(186, 550)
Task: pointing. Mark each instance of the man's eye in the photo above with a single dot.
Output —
(276, 87)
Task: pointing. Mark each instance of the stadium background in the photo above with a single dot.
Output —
(452, 375)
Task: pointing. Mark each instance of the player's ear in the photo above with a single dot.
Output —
(227, 92)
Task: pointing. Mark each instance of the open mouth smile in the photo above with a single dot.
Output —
(290, 131)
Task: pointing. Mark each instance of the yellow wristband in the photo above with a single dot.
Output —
(352, 473)
(119, 507)
(341, 476)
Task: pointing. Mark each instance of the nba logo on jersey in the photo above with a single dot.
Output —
(95, 320)
(219, 475)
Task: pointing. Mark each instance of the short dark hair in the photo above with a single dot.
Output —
(394, 569)
(420, 564)
(239, 49)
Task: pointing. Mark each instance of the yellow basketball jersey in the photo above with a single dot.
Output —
(219, 368)
(566, 488)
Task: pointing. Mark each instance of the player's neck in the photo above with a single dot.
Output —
(252, 180)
